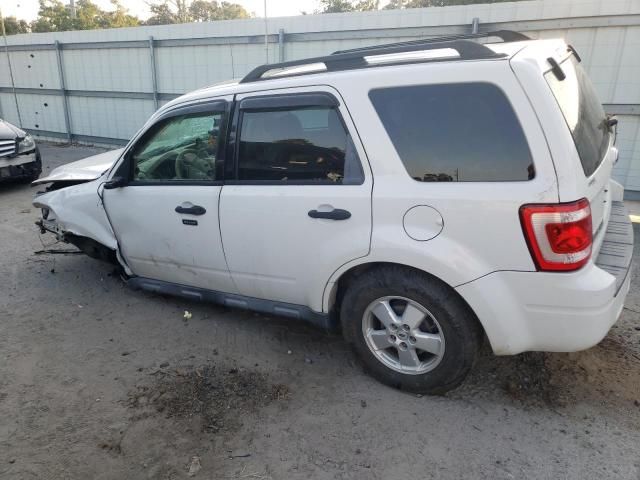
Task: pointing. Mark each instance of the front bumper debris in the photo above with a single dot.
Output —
(50, 226)
(24, 166)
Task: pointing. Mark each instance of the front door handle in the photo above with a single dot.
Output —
(335, 214)
(192, 210)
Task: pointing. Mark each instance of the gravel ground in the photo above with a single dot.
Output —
(98, 381)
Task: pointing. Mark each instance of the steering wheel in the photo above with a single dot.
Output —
(182, 159)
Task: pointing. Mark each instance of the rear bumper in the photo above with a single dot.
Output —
(559, 312)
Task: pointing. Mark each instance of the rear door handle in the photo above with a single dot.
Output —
(335, 214)
(193, 210)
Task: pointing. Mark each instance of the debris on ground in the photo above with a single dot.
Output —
(238, 455)
(194, 466)
(187, 315)
(216, 396)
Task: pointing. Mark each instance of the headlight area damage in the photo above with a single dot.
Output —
(72, 208)
(74, 214)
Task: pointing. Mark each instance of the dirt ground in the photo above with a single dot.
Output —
(101, 382)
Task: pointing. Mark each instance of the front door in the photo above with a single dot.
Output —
(297, 203)
(166, 217)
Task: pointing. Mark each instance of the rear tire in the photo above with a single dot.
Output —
(412, 331)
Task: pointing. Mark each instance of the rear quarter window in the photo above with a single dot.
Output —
(463, 132)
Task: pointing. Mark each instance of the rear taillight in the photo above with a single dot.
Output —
(559, 235)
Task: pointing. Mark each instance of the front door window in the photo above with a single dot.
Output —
(179, 148)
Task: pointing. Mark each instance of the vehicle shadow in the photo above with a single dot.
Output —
(13, 186)
(606, 375)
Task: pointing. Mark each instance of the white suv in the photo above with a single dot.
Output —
(419, 195)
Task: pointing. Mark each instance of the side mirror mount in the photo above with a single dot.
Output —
(115, 182)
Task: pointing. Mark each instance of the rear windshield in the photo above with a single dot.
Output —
(583, 113)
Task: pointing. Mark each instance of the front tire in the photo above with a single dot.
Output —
(411, 330)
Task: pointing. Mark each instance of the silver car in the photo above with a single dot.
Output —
(19, 155)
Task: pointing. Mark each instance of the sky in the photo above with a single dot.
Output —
(28, 9)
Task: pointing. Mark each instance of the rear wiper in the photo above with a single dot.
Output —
(608, 122)
(575, 54)
(556, 69)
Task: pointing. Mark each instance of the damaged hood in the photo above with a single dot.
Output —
(86, 169)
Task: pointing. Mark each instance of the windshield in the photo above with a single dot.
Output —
(583, 113)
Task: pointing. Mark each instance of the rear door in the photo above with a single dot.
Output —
(296, 204)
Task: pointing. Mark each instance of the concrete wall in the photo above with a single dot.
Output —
(109, 74)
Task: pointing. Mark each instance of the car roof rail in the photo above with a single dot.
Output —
(506, 36)
(350, 60)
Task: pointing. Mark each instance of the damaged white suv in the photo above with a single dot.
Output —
(420, 195)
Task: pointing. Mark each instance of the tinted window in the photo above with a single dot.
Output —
(301, 144)
(179, 148)
(583, 113)
(466, 132)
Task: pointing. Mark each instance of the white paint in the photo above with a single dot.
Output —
(88, 168)
(609, 54)
(265, 245)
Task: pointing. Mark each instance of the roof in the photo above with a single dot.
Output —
(288, 74)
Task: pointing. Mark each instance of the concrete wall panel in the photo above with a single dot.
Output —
(605, 32)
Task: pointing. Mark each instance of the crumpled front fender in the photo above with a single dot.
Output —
(78, 210)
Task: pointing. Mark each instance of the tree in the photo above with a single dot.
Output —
(183, 11)
(367, 5)
(161, 14)
(14, 26)
(338, 6)
(335, 6)
(230, 11)
(397, 4)
(54, 16)
(118, 17)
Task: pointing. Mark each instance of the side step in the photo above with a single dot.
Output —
(290, 310)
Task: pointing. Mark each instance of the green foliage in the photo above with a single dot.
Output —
(13, 26)
(54, 16)
(161, 14)
(396, 4)
(183, 11)
(118, 17)
(337, 6)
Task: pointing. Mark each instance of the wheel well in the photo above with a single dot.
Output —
(92, 248)
(353, 273)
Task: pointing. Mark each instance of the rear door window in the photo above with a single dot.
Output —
(293, 145)
(464, 132)
(583, 113)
